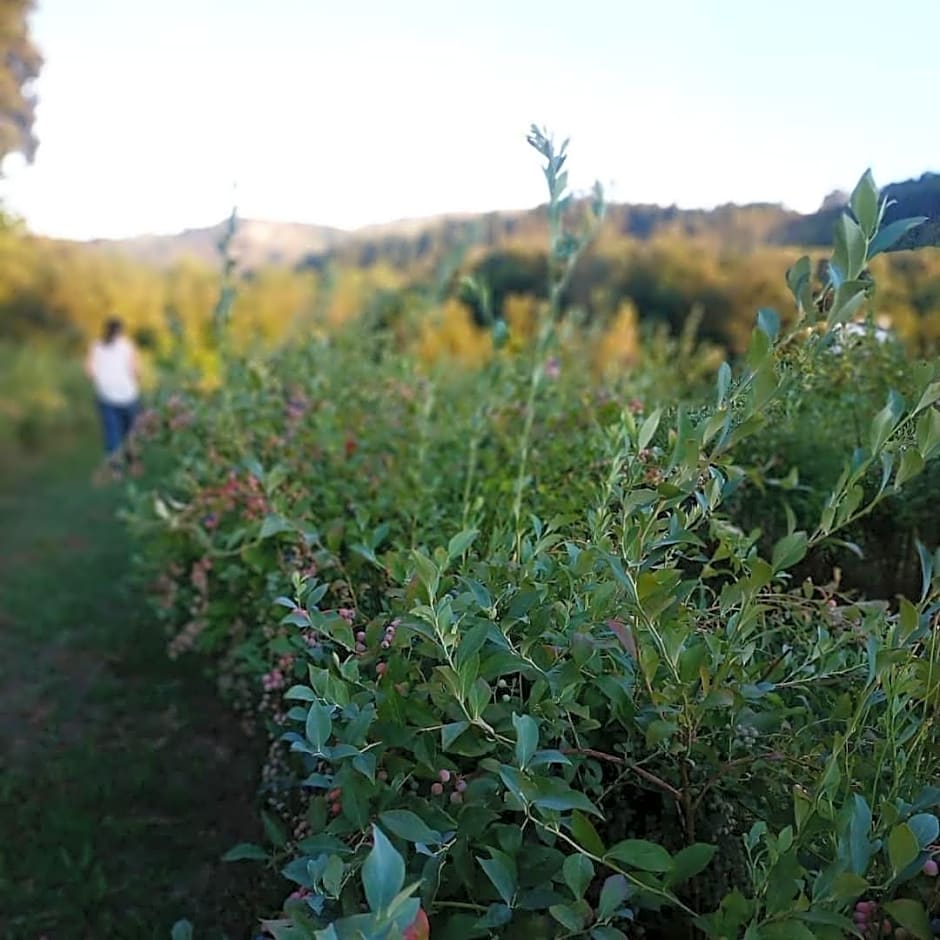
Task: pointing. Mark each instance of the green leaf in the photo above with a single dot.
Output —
(659, 731)
(769, 321)
(890, 235)
(527, 738)
(827, 919)
(586, 835)
(789, 550)
(911, 915)
(450, 733)
(724, 381)
(850, 247)
(903, 847)
(319, 726)
(616, 890)
(926, 828)
(847, 301)
(274, 830)
(931, 394)
(365, 763)
(383, 872)
(274, 525)
(848, 886)
(553, 793)
(690, 861)
(548, 757)
(500, 870)
(332, 877)
(460, 543)
(928, 432)
(427, 573)
(578, 873)
(607, 933)
(859, 847)
(300, 693)
(911, 464)
(182, 930)
(790, 929)
(648, 429)
(245, 852)
(569, 916)
(864, 203)
(882, 426)
(638, 853)
(410, 827)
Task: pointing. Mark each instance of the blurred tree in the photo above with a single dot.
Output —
(20, 63)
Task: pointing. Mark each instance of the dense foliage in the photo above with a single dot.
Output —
(526, 661)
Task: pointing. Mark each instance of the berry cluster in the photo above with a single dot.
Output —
(456, 783)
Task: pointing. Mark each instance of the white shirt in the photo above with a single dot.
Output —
(112, 371)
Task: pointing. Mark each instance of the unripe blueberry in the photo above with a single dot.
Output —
(336, 809)
(502, 683)
(385, 644)
(382, 775)
(931, 868)
(505, 698)
(437, 789)
(360, 647)
(444, 775)
(381, 668)
(460, 786)
(860, 917)
(361, 636)
(455, 797)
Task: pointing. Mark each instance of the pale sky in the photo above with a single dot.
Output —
(347, 112)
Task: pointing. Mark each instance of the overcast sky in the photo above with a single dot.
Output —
(346, 112)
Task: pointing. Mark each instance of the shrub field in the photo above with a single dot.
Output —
(538, 654)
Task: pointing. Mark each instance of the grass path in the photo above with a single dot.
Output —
(122, 778)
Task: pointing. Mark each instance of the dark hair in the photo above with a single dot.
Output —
(112, 329)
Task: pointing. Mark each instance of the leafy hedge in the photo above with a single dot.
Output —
(522, 667)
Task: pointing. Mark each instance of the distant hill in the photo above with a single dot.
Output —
(405, 242)
(256, 243)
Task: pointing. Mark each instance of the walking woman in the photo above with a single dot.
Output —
(114, 369)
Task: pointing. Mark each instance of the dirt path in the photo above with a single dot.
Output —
(122, 778)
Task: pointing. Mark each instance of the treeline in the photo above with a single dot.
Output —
(62, 291)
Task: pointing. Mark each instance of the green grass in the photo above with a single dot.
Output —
(122, 778)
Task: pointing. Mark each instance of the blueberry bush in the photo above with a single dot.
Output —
(528, 660)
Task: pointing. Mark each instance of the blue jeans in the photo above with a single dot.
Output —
(116, 422)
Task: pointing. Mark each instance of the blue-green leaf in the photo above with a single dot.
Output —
(578, 873)
(527, 738)
(410, 827)
(245, 851)
(500, 870)
(319, 726)
(383, 872)
(639, 853)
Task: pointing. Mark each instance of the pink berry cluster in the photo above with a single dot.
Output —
(273, 681)
(335, 798)
(867, 917)
(457, 785)
(387, 640)
(301, 894)
(348, 614)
